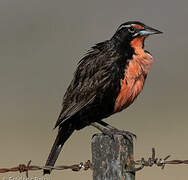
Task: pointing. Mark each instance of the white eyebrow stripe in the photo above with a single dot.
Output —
(127, 26)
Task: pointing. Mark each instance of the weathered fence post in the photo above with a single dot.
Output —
(112, 158)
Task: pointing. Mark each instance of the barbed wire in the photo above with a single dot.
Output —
(159, 162)
(25, 168)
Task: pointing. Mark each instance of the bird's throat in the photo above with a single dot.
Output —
(138, 44)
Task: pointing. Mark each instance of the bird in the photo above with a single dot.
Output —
(107, 80)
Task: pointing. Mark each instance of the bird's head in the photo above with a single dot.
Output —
(133, 33)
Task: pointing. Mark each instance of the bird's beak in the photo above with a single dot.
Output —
(149, 31)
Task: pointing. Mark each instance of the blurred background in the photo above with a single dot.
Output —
(41, 42)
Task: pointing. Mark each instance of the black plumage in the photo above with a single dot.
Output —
(94, 88)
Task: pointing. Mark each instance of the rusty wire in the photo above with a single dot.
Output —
(25, 168)
(160, 162)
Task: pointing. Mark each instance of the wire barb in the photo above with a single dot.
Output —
(159, 162)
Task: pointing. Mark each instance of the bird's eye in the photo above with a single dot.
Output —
(131, 29)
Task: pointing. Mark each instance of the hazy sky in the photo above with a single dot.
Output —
(41, 42)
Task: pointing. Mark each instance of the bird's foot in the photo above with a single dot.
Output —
(130, 136)
(111, 132)
(108, 133)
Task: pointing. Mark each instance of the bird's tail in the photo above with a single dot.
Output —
(64, 133)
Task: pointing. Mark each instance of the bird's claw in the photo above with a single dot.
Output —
(109, 133)
(130, 136)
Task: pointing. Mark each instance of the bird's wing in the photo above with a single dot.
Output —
(72, 110)
(93, 75)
